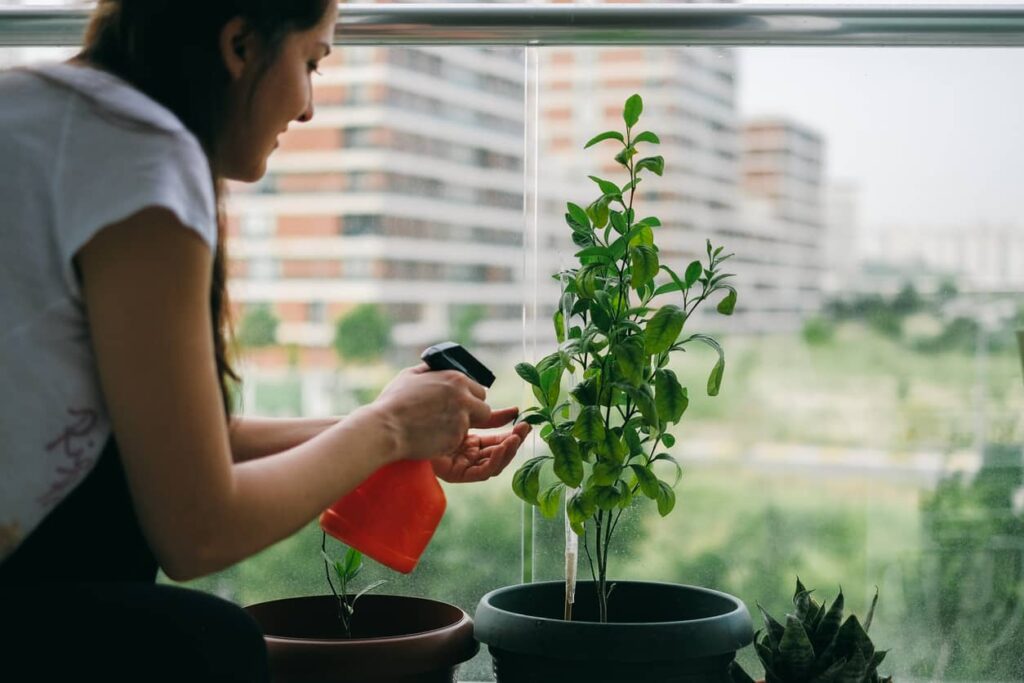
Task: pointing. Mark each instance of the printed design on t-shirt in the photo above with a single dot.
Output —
(73, 442)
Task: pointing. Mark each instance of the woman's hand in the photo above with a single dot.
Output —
(481, 457)
(425, 412)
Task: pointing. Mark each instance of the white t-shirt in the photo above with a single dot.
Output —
(79, 150)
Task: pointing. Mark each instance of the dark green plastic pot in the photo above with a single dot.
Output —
(657, 632)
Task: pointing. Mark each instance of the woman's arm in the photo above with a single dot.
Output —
(258, 437)
(146, 284)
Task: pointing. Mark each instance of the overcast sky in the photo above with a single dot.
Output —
(932, 136)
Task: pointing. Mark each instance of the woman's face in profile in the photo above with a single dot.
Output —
(261, 106)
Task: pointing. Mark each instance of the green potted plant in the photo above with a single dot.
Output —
(816, 645)
(389, 638)
(608, 433)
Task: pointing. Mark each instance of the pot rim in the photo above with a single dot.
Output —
(624, 641)
(738, 606)
(415, 635)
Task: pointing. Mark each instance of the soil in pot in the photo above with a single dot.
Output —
(395, 639)
(657, 633)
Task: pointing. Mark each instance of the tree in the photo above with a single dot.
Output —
(259, 327)
(464, 321)
(363, 334)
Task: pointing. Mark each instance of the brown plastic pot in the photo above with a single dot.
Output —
(395, 639)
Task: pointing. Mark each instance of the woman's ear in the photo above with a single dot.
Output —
(237, 48)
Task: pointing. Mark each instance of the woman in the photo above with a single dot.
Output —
(119, 451)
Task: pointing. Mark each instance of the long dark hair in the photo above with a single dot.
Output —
(169, 50)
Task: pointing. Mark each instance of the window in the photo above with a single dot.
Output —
(869, 427)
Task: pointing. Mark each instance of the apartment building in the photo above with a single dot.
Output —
(784, 211)
(754, 187)
(404, 191)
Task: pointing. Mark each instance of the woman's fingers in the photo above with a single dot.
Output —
(501, 417)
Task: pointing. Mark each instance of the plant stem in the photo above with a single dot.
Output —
(342, 612)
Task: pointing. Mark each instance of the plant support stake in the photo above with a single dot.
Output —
(572, 541)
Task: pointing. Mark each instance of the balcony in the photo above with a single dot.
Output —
(870, 426)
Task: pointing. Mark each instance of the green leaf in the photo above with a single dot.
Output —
(589, 425)
(578, 514)
(667, 438)
(549, 498)
(606, 497)
(644, 400)
(632, 439)
(585, 393)
(773, 628)
(796, 649)
(648, 482)
(551, 383)
(666, 499)
(856, 667)
(558, 320)
(353, 563)
(528, 373)
(641, 235)
(647, 136)
(618, 222)
(587, 282)
(600, 312)
(625, 155)
(727, 305)
(803, 603)
(625, 494)
(607, 135)
(599, 213)
(578, 216)
(631, 112)
(596, 251)
(871, 612)
(665, 457)
(605, 473)
(568, 460)
(612, 447)
(655, 165)
(535, 419)
(715, 378)
(693, 273)
(644, 262)
(831, 673)
(828, 627)
(629, 357)
(663, 328)
(608, 188)
(526, 481)
(670, 397)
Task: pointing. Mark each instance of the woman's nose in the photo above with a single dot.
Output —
(308, 114)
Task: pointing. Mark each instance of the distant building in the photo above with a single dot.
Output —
(979, 258)
(843, 235)
(784, 211)
(405, 190)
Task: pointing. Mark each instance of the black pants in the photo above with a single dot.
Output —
(78, 602)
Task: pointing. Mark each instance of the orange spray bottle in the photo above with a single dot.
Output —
(392, 516)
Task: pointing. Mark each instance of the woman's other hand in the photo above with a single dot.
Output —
(482, 456)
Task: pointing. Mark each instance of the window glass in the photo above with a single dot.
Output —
(869, 428)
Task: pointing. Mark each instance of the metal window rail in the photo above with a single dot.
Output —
(654, 24)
